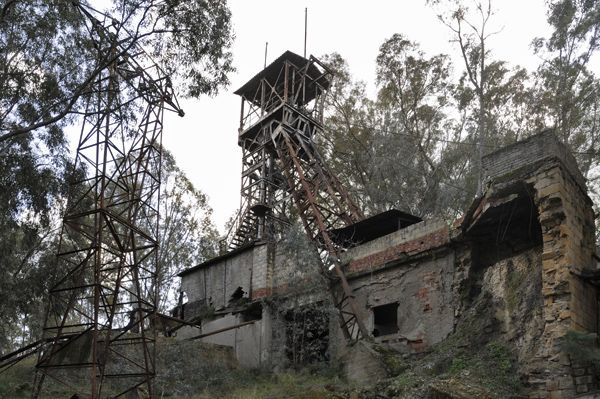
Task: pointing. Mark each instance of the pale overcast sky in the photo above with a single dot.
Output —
(204, 142)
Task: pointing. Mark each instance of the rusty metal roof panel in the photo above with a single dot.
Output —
(274, 69)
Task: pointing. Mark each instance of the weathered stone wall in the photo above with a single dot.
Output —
(515, 288)
(567, 227)
(566, 218)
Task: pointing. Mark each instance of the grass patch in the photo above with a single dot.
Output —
(209, 373)
(470, 359)
(16, 382)
(292, 385)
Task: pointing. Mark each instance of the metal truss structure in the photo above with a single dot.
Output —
(97, 338)
(281, 113)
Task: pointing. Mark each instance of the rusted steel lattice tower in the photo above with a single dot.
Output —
(281, 113)
(96, 335)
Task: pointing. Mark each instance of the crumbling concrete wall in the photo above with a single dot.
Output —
(522, 246)
(422, 288)
(247, 341)
(412, 267)
(214, 284)
(265, 274)
(211, 287)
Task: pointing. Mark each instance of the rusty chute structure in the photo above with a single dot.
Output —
(96, 335)
(281, 113)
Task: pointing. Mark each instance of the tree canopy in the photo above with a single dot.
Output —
(49, 58)
(417, 145)
(48, 62)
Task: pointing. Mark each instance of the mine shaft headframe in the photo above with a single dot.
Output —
(323, 205)
(118, 49)
(281, 114)
(291, 80)
(289, 85)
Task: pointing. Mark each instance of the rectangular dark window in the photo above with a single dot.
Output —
(385, 319)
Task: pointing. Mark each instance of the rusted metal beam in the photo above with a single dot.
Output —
(246, 323)
(109, 238)
(281, 144)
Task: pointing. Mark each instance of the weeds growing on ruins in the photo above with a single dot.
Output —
(436, 239)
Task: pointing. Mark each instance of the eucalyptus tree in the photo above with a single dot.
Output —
(471, 33)
(413, 102)
(391, 151)
(187, 235)
(47, 62)
(497, 100)
(568, 89)
(49, 59)
(348, 137)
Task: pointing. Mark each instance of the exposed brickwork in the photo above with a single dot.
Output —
(258, 293)
(268, 291)
(431, 279)
(535, 149)
(420, 244)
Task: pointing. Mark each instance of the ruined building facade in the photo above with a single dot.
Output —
(520, 262)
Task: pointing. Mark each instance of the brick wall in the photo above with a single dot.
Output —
(403, 243)
(429, 240)
(539, 147)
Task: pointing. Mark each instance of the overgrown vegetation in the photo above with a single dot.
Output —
(192, 370)
(417, 144)
(486, 370)
(582, 348)
(473, 361)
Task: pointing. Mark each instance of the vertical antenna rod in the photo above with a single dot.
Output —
(266, 47)
(305, 28)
